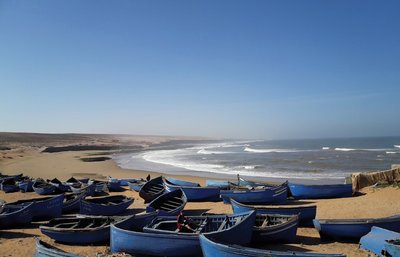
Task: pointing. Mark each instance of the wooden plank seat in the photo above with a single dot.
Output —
(221, 227)
(265, 222)
(201, 226)
(170, 205)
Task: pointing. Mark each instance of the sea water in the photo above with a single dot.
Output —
(329, 160)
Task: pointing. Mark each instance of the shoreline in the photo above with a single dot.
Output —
(374, 203)
(178, 171)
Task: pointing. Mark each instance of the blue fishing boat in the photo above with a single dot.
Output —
(214, 248)
(108, 205)
(354, 228)
(376, 240)
(392, 247)
(60, 187)
(167, 241)
(267, 195)
(25, 185)
(42, 187)
(275, 228)
(89, 190)
(152, 189)
(15, 215)
(100, 186)
(15, 176)
(178, 182)
(84, 229)
(125, 181)
(43, 249)
(168, 204)
(300, 191)
(196, 193)
(136, 185)
(72, 202)
(44, 207)
(9, 185)
(306, 213)
(114, 185)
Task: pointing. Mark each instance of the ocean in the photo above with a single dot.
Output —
(310, 160)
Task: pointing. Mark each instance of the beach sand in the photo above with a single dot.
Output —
(375, 203)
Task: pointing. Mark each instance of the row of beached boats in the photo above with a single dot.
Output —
(22, 183)
(155, 232)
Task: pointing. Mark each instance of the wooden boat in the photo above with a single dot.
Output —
(9, 185)
(44, 207)
(306, 213)
(124, 181)
(15, 215)
(213, 248)
(275, 228)
(152, 189)
(100, 186)
(89, 190)
(15, 176)
(354, 228)
(43, 249)
(376, 240)
(300, 191)
(392, 248)
(108, 205)
(84, 229)
(166, 241)
(73, 181)
(114, 185)
(60, 187)
(25, 185)
(168, 204)
(72, 202)
(178, 182)
(196, 193)
(267, 195)
(41, 187)
(136, 185)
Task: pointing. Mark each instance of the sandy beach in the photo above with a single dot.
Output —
(374, 203)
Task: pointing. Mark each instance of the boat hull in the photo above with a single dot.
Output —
(279, 232)
(102, 206)
(211, 248)
(45, 250)
(376, 240)
(274, 195)
(300, 191)
(354, 229)
(168, 204)
(175, 244)
(15, 215)
(306, 213)
(197, 194)
(152, 189)
(45, 207)
(85, 235)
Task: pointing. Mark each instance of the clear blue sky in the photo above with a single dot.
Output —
(241, 69)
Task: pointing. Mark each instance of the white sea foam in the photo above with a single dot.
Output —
(390, 152)
(367, 150)
(345, 149)
(396, 146)
(326, 148)
(252, 150)
(204, 151)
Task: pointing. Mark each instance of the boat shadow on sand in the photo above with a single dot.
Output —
(8, 234)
